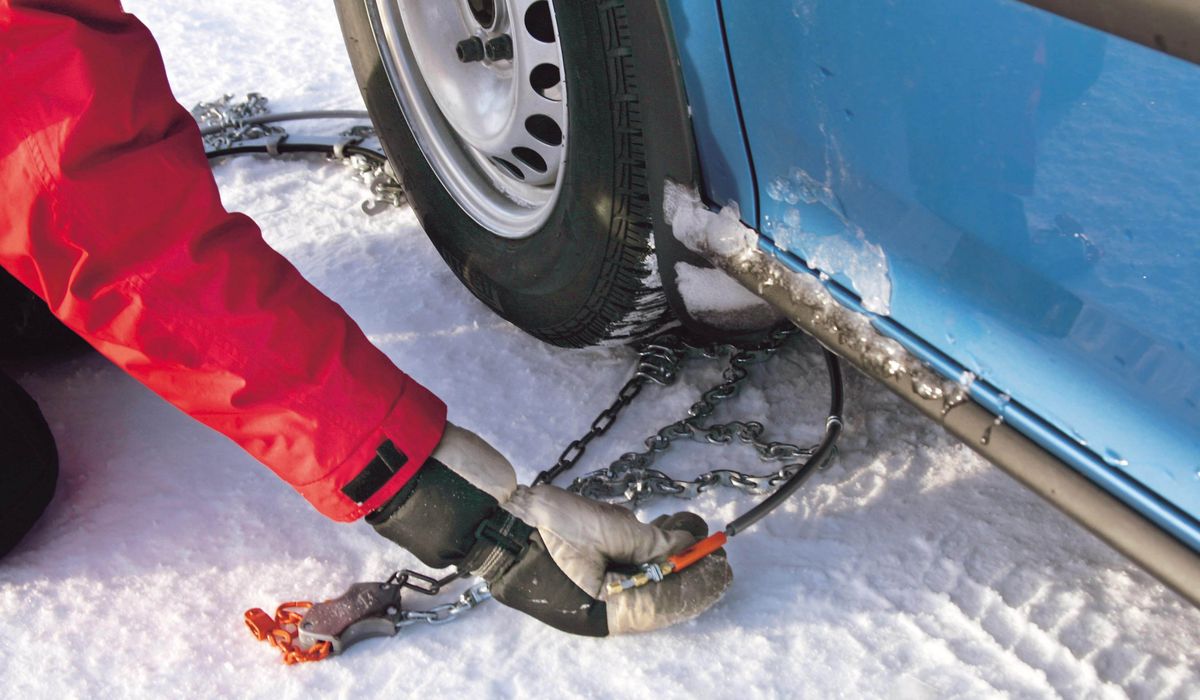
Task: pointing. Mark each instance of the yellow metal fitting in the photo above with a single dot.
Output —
(649, 572)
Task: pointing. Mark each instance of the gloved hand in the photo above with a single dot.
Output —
(545, 551)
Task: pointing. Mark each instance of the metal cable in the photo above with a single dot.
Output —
(287, 117)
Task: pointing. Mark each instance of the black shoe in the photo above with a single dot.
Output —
(28, 463)
(28, 329)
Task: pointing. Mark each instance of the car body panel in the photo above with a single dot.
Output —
(1025, 186)
(1166, 516)
(716, 124)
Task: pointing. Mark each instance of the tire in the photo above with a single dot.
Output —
(587, 273)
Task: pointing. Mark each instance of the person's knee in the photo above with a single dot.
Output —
(28, 464)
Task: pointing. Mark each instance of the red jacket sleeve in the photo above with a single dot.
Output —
(109, 212)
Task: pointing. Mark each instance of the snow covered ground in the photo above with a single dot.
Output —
(909, 569)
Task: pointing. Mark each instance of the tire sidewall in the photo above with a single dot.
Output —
(551, 281)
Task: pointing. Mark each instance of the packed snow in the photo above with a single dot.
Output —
(832, 243)
(722, 238)
(718, 300)
(910, 568)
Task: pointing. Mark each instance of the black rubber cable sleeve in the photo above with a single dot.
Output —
(824, 451)
(287, 147)
(287, 117)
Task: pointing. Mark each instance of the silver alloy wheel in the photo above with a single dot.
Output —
(494, 130)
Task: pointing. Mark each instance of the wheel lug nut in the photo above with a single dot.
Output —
(470, 50)
(499, 48)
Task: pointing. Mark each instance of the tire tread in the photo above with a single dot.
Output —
(627, 302)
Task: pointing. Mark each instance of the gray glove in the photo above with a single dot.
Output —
(545, 551)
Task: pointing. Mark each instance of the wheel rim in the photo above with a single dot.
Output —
(494, 130)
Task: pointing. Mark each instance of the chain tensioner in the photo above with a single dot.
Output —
(305, 631)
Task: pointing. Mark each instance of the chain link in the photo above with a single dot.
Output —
(230, 117)
(658, 363)
(449, 612)
(378, 174)
(631, 478)
(427, 585)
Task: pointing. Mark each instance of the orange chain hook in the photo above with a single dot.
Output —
(280, 631)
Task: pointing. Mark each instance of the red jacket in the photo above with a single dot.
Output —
(109, 212)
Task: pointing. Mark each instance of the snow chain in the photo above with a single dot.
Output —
(630, 478)
(305, 631)
(238, 128)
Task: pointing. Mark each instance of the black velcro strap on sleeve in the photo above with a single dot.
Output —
(388, 460)
(500, 540)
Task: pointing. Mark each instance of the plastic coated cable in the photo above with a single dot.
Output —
(286, 147)
(287, 117)
(289, 147)
(825, 450)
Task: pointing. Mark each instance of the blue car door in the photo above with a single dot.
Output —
(1019, 191)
